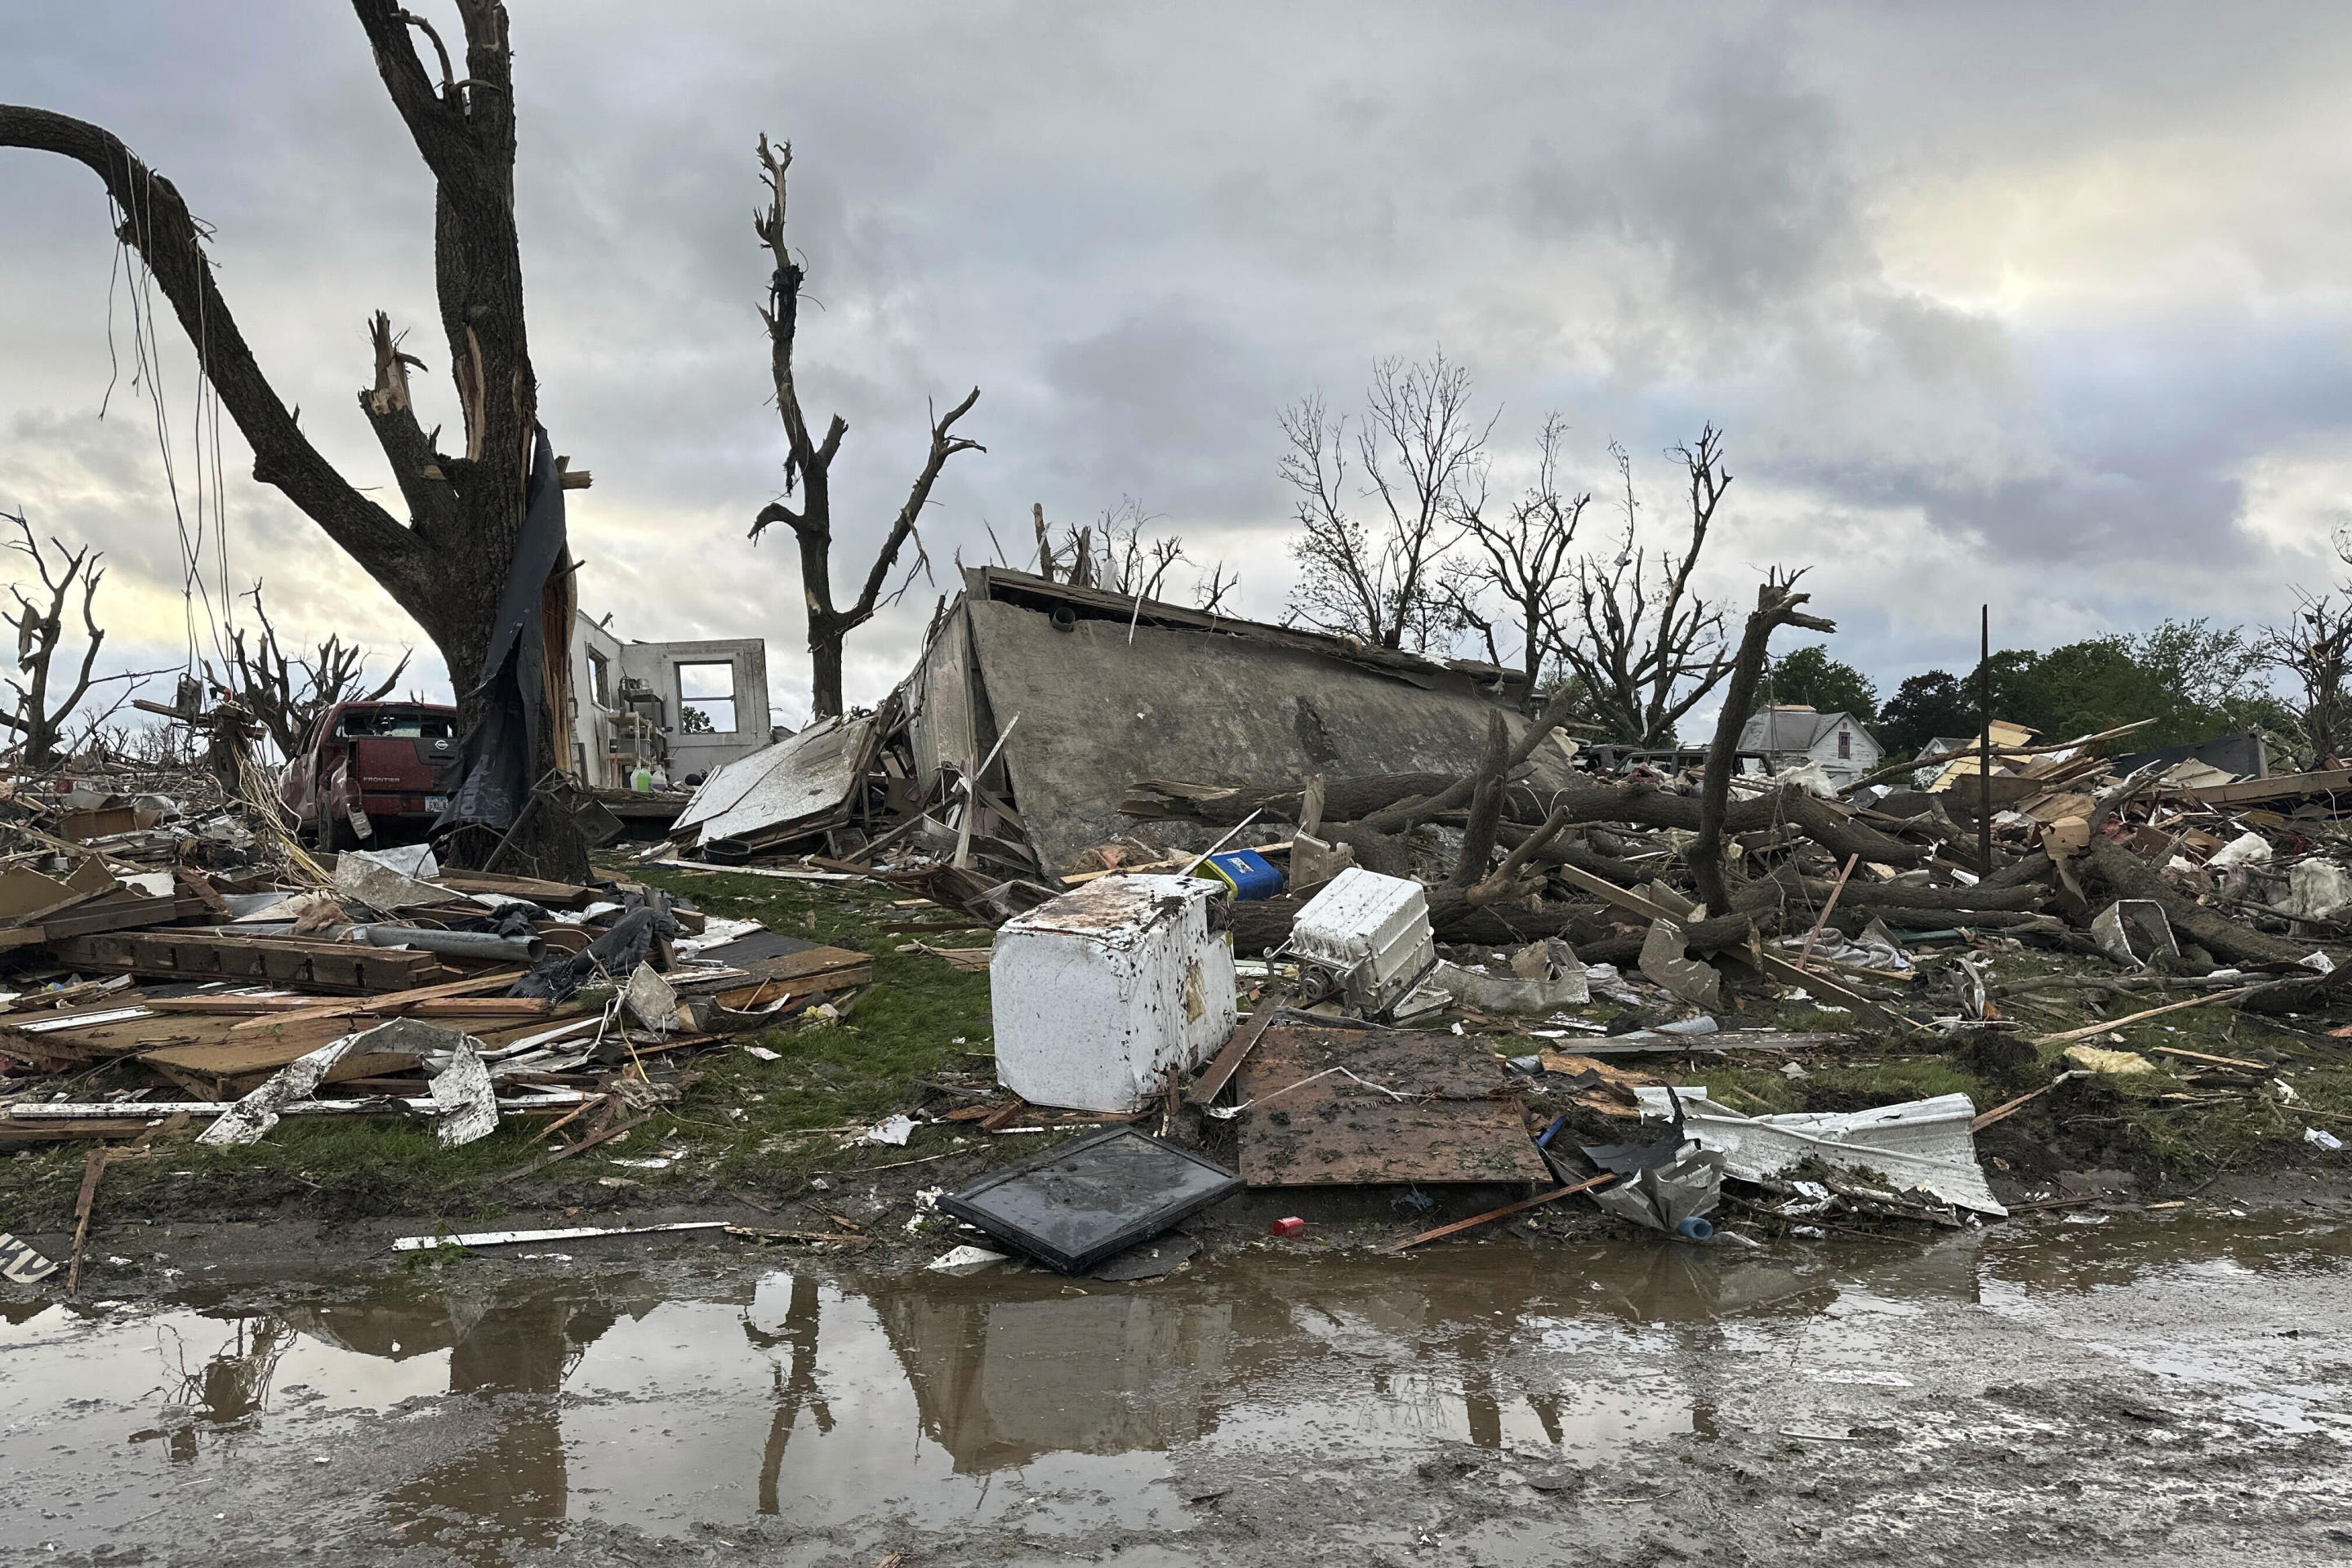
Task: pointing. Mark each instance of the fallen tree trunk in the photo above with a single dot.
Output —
(1907, 895)
(1710, 935)
(1408, 813)
(2123, 875)
(1841, 835)
(1851, 921)
(1344, 800)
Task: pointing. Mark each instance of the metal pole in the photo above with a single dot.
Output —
(1984, 745)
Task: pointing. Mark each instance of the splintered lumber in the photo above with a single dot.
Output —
(108, 913)
(396, 1001)
(1505, 1212)
(332, 966)
(1772, 964)
(2285, 786)
(547, 895)
(459, 1006)
(1220, 1068)
(2087, 1030)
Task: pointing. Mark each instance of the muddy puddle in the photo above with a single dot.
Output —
(481, 1411)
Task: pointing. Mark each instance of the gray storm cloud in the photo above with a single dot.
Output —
(2032, 305)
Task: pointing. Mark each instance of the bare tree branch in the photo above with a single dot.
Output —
(1645, 643)
(1420, 451)
(38, 717)
(1522, 558)
(808, 463)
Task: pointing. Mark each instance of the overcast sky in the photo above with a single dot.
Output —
(2043, 305)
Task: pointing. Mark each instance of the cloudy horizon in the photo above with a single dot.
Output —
(1994, 304)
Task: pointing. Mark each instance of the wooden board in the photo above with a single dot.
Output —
(337, 967)
(547, 895)
(2283, 787)
(1459, 1121)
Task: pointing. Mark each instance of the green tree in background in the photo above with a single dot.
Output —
(1926, 705)
(1811, 677)
(2194, 679)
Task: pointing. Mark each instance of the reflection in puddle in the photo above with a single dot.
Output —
(495, 1413)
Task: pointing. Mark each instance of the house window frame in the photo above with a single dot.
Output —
(733, 699)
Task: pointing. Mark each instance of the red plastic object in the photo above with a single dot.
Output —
(1292, 1226)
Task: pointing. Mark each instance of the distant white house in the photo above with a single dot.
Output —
(1791, 734)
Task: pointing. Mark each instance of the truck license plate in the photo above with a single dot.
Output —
(436, 803)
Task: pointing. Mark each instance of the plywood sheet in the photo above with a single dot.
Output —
(1458, 1121)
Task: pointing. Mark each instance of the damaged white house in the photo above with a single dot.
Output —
(682, 708)
(1792, 734)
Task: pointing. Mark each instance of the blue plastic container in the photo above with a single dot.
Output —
(1248, 873)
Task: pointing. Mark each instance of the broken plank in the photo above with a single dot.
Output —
(344, 967)
(2190, 1056)
(394, 999)
(1220, 1070)
(2087, 1030)
(1325, 1106)
(1505, 1212)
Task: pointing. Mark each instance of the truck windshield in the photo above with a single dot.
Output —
(395, 723)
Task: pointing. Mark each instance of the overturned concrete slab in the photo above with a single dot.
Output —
(1107, 689)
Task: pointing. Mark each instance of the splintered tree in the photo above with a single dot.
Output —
(2315, 649)
(1522, 557)
(287, 695)
(1419, 446)
(808, 466)
(449, 562)
(1646, 645)
(1115, 554)
(38, 721)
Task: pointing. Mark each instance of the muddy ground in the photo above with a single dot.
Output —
(2172, 1385)
(2156, 1365)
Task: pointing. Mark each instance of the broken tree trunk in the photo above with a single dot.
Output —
(1408, 813)
(448, 565)
(1485, 805)
(808, 466)
(1777, 604)
(2124, 875)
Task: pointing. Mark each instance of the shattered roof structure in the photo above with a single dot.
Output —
(1089, 690)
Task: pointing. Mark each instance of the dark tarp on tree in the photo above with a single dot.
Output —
(493, 776)
(1106, 692)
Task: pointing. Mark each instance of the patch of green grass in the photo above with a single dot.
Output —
(922, 1023)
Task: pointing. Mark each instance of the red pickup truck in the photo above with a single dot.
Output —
(371, 773)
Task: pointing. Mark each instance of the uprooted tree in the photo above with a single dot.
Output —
(808, 466)
(288, 694)
(1372, 573)
(449, 562)
(37, 723)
